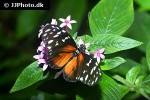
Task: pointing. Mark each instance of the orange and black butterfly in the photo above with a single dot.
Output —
(64, 54)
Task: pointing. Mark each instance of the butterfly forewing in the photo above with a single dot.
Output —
(60, 45)
(56, 37)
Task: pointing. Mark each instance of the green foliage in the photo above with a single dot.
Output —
(145, 85)
(110, 89)
(112, 63)
(141, 26)
(125, 73)
(111, 43)
(25, 27)
(28, 77)
(111, 17)
(132, 74)
(148, 55)
(144, 5)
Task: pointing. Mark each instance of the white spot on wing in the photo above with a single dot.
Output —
(89, 62)
(51, 33)
(96, 79)
(63, 31)
(49, 47)
(56, 43)
(45, 34)
(92, 83)
(58, 33)
(92, 71)
(47, 30)
(81, 79)
(65, 38)
(50, 41)
(86, 77)
(55, 36)
(84, 71)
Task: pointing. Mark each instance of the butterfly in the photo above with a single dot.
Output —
(71, 59)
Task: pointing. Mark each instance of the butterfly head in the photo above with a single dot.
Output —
(82, 48)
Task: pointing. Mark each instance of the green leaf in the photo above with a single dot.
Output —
(148, 54)
(125, 67)
(146, 84)
(132, 74)
(27, 22)
(116, 19)
(139, 80)
(109, 89)
(28, 77)
(112, 63)
(144, 4)
(124, 90)
(111, 43)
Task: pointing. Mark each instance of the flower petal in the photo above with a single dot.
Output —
(68, 18)
(63, 24)
(36, 56)
(45, 67)
(73, 21)
(41, 61)
(69, 26)
(53, 22)
(40, 32)
(87, 45)
(98, 59)
(62, 20)
(80, 42)
(102, 56)
(101, 50)
(40, 48)
(95, 55)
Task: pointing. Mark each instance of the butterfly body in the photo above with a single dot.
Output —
(65, 54)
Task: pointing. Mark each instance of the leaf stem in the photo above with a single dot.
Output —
(122, 80)
(144, 94)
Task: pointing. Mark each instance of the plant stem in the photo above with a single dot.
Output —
(144, 94)
(122, 80)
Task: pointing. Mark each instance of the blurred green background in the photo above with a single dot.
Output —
(18, 39)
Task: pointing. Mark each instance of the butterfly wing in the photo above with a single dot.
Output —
(89, 71)
(60, 45)
(83, 68)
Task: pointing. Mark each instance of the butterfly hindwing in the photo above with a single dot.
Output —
(83, 68)
(89, 72)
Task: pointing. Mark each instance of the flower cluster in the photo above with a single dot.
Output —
(42, 54)
(43, 50)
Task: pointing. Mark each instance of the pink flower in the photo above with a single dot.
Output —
(53, 22)
(41, 57)
(98, 54)
(67, 22)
